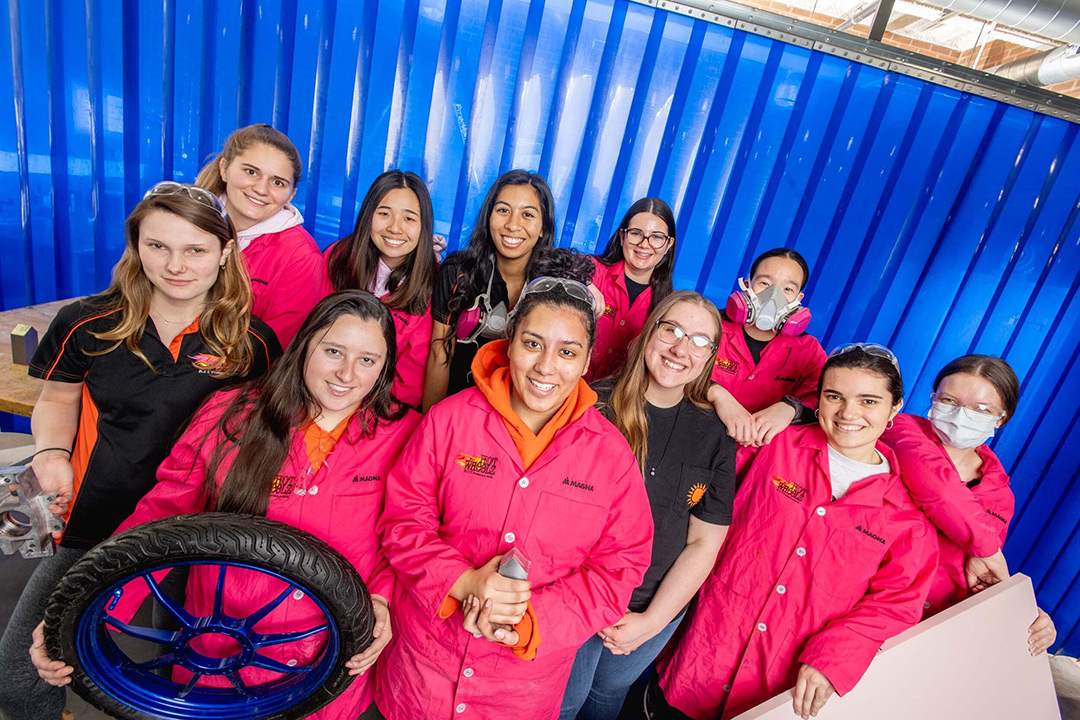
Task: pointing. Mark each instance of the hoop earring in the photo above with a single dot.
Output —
(817, 413)
(888, 425)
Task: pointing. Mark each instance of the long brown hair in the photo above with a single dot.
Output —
(259, 423)
(354, 261)
(260, 134)
(627, 400)
(225, 320)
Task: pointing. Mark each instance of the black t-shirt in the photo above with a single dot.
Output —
(755, 346)
(131, 415)
(450, 275)
(689, 470)
(633, 289)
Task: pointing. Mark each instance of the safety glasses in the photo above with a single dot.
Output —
(572, 288)
(870, 349)
(198, 194)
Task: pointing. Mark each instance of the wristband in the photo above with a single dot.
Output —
(50, 449)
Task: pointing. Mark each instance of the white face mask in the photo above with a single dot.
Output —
(959, 427)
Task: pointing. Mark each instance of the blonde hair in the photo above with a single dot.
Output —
(226, 319)
(259, 134)
(627, 400)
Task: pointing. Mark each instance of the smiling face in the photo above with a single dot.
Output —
(781, 271)
(395, 226)
(672, 367)
(854, 408)
(258, 183)
(515, 223)
(180, 260)
(640, 260)
(549, 353)
(342, 367)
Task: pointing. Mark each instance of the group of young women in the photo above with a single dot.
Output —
(716, 456)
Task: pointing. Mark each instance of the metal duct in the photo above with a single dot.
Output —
(1046, 68)
(1055, 19)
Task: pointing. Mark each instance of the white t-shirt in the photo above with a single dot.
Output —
(845, 472)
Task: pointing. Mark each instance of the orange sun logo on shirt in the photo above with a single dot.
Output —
(697, 491)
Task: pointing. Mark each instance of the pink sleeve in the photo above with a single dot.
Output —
(425, 565)
(596, 594)
(299, 283)
(893, 602)
(810, 374)
(412, 359)
(935, 486)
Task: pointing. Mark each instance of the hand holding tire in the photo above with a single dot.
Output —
(359, 664)
(54, 672)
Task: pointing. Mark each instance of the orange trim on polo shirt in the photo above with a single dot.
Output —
(320, 443)
(174, 346)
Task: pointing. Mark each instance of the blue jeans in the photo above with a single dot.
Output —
(600, 680)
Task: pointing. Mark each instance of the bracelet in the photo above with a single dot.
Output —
(50, 449)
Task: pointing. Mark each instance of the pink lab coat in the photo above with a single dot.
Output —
(339, 504)
(789, 366)
(457, 497)
(288, 279)
(801, 579)
(620, 323)
(970, 520)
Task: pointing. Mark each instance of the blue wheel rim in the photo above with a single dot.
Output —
(136, 685)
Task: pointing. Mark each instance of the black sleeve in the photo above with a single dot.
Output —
(716, 507)
(60, 355)
(449, 274)
(264, 345)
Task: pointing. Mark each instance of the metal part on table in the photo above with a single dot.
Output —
(26, 524)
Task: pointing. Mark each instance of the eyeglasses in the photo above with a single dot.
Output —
(657, 240)
(671, 334)
(980, 408)
(198, 194)
(572, 288)
(870, 349)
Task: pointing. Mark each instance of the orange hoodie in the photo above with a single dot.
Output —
(491, 371)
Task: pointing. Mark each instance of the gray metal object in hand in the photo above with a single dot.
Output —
(26, 524)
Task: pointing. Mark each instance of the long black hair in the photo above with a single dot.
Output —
(354, 261)
(258, 425)
(478, 258)
(660, 281)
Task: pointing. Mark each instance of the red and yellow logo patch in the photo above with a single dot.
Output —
(483, 465)
(697, 491)
(790, 489)
(609, 311)
(728, 366)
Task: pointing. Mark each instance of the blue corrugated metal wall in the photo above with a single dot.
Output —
(934, 221)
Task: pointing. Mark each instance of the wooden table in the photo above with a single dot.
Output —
(19, 391)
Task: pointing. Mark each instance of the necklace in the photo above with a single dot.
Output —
(667, 443)
(167, 321)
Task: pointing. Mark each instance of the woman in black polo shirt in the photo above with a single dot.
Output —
(123, 372)
(659, 403)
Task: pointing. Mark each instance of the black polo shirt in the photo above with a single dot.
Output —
(689, 470)
(131, 415)
(450, 275)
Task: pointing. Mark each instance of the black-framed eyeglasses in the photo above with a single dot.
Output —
(870, 349)
(671, 334)
(198, 194)
(656, 240)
